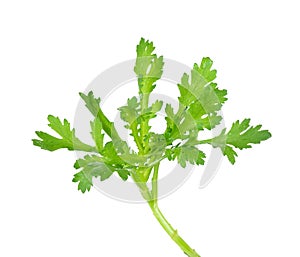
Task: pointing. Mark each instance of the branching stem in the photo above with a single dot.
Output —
(152, 201)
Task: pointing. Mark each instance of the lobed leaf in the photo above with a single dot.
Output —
(92, 167)
(68, 139)
(241, 135)
(148, 67)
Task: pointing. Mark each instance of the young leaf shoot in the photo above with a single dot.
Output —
(200, 101)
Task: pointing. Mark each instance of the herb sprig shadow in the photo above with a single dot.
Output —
(200, 102)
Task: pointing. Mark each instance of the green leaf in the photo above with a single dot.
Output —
(200, 101)
(207, 97)
(121, 147)
(124, 174)
(98, 137)
(157, 145)
(172, 127)
(186, 153)
(85, 181)
(148, 66)
(130, 113)
(241, 135)
(156, 106)
(207, 74)
(200, 94)
(180, 125)
(111, 155)
(151, 111)
(92, 166)
(198, 86)
(68, 139)
(230, 153)
(93, 104)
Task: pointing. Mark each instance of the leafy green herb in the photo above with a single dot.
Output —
(200, 101)
(241, 136)
(68, 139)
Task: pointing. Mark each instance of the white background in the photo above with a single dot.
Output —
(51, 50)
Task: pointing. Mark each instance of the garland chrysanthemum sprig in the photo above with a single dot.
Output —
(200, 102)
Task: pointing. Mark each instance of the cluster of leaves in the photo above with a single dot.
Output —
(200, 102)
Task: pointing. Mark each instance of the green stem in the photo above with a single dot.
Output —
(107, 125)
(175, 133)
(144, 101)
(85, 148)
(163, 221)
(155, 183)
(172, 232)
(144, 123)
(180, 111)
(139, 181)
(206, 141)
(151, 196)
(136, 137)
